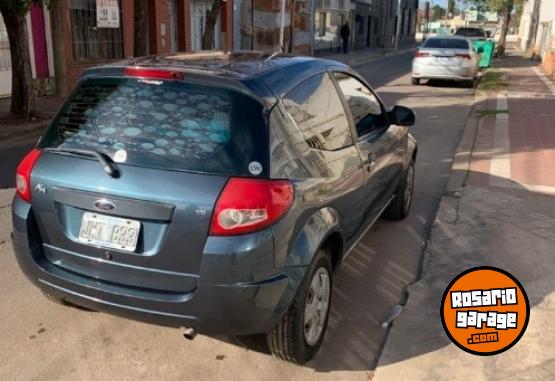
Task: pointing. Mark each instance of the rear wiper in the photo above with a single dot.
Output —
(104, 160)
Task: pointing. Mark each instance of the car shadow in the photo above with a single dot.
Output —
(357, 331)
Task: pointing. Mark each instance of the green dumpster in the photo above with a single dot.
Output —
(486, 49)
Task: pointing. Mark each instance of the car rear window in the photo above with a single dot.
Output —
(470, 32)
(445, 43)
(169, 125)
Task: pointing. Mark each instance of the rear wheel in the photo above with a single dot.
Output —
(415, 81)
(471, 84)
(399, 207)
(299, 334)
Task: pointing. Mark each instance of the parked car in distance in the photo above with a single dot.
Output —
(447, 58)
(471, 33)
(212, 191)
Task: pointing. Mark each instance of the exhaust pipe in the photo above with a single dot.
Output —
(190, 333)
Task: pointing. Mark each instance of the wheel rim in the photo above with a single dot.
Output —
(408, 188)
(316, 306)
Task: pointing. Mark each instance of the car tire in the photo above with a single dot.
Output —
(399, 207)
(293, 339)
(471, 84)
(415, 81)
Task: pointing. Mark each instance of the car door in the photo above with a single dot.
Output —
(378, 142)
(318, 151)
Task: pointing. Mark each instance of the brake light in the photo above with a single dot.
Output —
(23, 174)
(152, 73)
(422, 54)
(248, 205)
(463, 55)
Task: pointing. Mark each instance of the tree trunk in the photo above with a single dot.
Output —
(210, 25)
(505, 19)
(59, 53)
(140, 22)
(23, 97)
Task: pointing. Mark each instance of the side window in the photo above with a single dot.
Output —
(364, 106)
(317, 110)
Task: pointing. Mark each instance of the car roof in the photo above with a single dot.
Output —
(268, 75)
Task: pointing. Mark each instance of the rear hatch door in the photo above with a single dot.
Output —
(174, 144)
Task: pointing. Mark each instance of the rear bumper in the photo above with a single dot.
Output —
(462, 73)
(235, 308)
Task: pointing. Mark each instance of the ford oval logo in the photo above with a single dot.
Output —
(104, 205)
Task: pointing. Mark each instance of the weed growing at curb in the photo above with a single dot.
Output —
(490, 112)
(492, 80)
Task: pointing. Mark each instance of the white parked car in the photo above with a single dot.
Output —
(449, 58)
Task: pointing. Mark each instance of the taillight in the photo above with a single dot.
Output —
(23, 174)
(248, 205)
(422, 54)
(152, 73)
(463, 55)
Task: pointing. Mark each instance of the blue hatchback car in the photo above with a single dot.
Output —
(212, 191)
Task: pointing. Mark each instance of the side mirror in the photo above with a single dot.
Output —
(402, 116)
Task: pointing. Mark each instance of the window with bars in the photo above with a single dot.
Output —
(89, 42)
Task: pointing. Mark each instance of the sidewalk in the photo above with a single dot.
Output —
(363, 56)
(10, 128)
(499, 210)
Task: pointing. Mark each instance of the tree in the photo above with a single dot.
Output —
(504, 9)
(23, 97)
(438, 12)
(451, 7)
(140, 15)
(210, 24)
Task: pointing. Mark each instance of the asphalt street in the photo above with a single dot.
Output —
(41, 340)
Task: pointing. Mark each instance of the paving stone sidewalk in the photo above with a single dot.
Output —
(502, 215)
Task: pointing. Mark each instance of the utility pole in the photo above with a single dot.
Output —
(427, 18)
(398, 26)
(282, 26)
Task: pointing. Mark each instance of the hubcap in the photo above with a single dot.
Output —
(316, 306)
(408, 189)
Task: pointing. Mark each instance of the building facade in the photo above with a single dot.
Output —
(76, 34)
(257, 25)
(372, 23)
(537, 32)
(92, 32)
(40, 50)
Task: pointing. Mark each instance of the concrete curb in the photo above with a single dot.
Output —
(461, 160)
(449, 203)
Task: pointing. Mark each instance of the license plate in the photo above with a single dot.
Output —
(110, 232)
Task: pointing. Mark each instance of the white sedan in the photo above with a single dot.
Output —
(449, 58)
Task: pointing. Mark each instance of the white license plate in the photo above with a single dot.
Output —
(109, 232)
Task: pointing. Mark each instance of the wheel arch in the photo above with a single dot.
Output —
(321, 231)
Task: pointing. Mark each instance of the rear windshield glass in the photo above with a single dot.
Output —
(470, 32)
(445, 43)
(164, 124)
